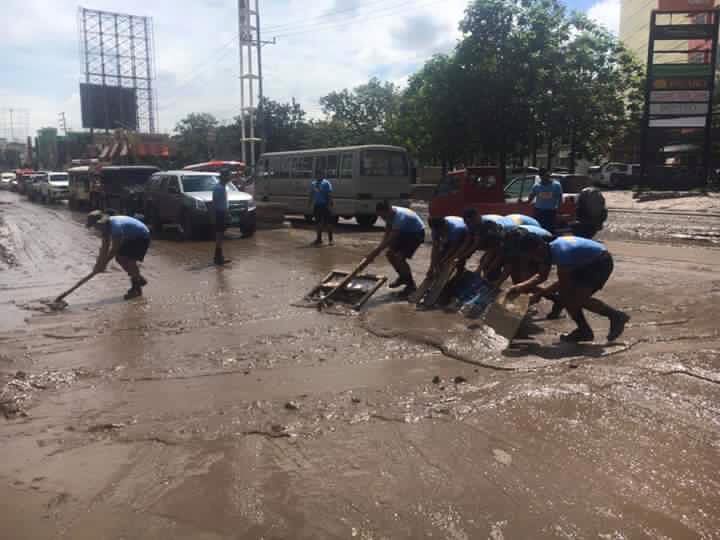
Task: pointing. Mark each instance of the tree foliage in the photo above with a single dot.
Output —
(525, 75)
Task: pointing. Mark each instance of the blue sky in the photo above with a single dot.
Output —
(322, 45)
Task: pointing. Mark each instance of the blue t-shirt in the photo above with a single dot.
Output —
(406, 221)
(548, 196)
(124, 228)
(575, 251)
(321, 190)
(220, 199)
(520, 219)
(504, 222)
(537, 231)
(456, 229)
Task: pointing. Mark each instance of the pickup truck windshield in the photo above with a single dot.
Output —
(58, 178)
(195, 184)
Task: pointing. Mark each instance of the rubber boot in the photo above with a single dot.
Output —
(331, 242)
(219, 258)
(135, 289)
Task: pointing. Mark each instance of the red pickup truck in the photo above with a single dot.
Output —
(482, 188)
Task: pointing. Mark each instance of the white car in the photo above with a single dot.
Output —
(6, 180)
(53, 187)
(611, 174)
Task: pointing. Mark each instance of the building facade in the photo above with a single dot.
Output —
(635, 22)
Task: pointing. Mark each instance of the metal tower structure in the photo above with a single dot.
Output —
(117, 49)
(14, 124)
(251, 81)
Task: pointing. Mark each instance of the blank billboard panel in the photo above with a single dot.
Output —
(108, 107)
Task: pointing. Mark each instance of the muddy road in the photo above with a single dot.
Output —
(211, 409)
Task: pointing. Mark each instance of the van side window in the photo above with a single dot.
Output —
(320, 165)
(346, 166)
(331, 169)
(302, 167)
(281, 166)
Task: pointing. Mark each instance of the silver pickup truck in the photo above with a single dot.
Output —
(184, 198)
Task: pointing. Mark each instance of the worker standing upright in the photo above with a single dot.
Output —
(321, 201)
(548, 196)
(220, 205)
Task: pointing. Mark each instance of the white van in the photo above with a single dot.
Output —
(361, 177)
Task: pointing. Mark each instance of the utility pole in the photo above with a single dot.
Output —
(251, 81)
(63, 123)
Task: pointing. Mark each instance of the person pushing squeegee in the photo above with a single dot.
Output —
(404, 234)
(124, 239)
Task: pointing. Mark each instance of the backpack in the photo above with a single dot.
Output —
(591, 208)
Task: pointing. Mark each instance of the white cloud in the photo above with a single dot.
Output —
(607, 13)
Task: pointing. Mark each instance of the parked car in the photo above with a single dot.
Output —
(53, 187)
(120, 188)
(32, 185)
(184, 198)
(23, 179)
(482, 188)
(6, 180)
(612, 174)
(79, 186)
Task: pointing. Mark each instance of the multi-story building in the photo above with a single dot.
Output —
(635, 23)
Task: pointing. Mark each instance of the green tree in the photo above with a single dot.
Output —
(195, 137)
(365, 112)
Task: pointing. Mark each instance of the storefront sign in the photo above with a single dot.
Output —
(682, 70)
(683, 121)
(686, 96)
(679, 108)
(681, 84)
(684, 31)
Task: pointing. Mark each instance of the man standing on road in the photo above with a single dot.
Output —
(584, 267)
(126, 240)
(404, 234)
(548, 196)
(220, 205)
(322, 203)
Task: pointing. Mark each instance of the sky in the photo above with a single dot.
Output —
(321, 46)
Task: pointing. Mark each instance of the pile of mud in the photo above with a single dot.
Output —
(16, 394)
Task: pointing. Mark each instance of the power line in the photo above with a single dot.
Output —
(280, 27)
(365, 16)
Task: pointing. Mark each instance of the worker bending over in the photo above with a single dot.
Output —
(126, 240)
(404, 234)
(448, 234)
(584, 267)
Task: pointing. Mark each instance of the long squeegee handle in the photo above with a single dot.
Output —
(359, 268)
(79, 284)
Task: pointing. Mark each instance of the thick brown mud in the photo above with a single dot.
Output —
(212, 409)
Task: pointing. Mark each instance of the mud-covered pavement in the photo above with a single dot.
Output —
(211, 409)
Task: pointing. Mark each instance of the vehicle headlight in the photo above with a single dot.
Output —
(199, 205)
(251, 205)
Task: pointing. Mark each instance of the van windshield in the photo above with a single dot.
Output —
(383, 163)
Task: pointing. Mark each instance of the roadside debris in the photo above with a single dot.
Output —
(19, 390)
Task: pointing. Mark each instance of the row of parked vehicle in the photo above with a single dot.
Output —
(179, 199)
(43, 186)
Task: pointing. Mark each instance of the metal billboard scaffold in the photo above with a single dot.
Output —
(677, 124)
(118, 50)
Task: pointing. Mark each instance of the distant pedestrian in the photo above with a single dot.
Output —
(321, 200)
(126, 240)
(548, 196)
(220, 205)
(404, 234)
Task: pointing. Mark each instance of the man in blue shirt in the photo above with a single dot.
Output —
(322, 203)
(126, 240)
(548, 196)
(584, 267)
(220, 205)
(404, 234)
(448, 235)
